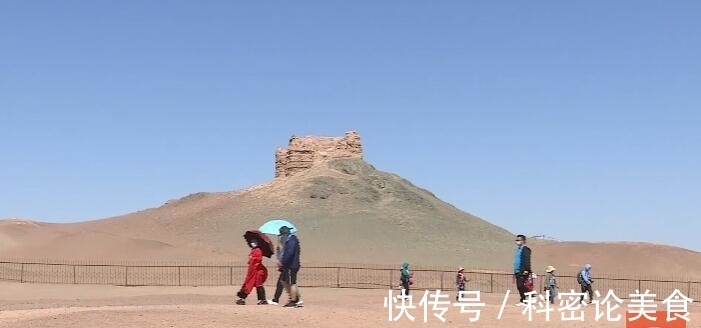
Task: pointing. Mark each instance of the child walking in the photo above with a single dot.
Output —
(551, 283)
(460, 281)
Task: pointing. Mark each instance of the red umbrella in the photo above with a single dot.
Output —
(265, 244)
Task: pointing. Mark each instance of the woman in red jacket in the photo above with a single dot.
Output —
(255, 277)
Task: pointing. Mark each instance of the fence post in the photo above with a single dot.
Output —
(688, 289)
(442, 274)
(126, 276)
(73, 274)
(231, 275)
(338, 277)
(640, 286)
(21, 273)
(491, 283)
(390, 278)
(179, 276)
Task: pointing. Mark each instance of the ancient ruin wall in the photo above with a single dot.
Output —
(304, 152)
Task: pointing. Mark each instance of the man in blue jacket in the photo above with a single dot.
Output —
(289, 264)
(280, 285)
(522, 267)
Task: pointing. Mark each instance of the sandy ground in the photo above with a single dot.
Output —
(64, 306)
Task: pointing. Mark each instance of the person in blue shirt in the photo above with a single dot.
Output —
(522, 268)
(280, 285)
(585, 281)
(290, 264)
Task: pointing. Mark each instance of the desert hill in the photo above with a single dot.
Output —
(347, 211)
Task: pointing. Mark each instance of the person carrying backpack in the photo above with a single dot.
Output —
(584, 279)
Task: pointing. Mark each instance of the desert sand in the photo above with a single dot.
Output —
(69, 306)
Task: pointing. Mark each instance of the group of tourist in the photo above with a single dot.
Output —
(523, 276)
(288, 253)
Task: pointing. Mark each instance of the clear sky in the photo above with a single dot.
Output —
(575, 120)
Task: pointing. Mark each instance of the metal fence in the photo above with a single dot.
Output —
(360, 277)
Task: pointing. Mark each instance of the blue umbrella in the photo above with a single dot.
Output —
(273, 226)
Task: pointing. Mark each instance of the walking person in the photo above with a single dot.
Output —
(522, 268)
(460, 281)
(290, 264)
(255, 277)
(551, 283)
(405, 277)
(584, 279)
(280, 285)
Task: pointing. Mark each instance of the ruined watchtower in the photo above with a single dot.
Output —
(303, 152)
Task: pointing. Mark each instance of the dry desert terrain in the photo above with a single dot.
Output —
(71, 306)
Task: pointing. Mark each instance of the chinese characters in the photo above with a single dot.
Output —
(571, 307)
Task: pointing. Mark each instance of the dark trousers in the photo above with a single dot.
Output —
(461, 288)
(260, 293)
(586, 288)
(278, 289)
(405, 285)
(553, 294)
(521, 286)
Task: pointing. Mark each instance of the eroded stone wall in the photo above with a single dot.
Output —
(303, 152)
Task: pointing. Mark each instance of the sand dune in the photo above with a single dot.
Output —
(42, 241)
(635, 259)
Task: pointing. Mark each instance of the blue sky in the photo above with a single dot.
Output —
(575, 120)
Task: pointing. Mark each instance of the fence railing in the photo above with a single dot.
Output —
(316, 276)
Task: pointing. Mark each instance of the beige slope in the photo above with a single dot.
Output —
(346, 211)
(42, 241)
(635, 259)
(16, 233)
